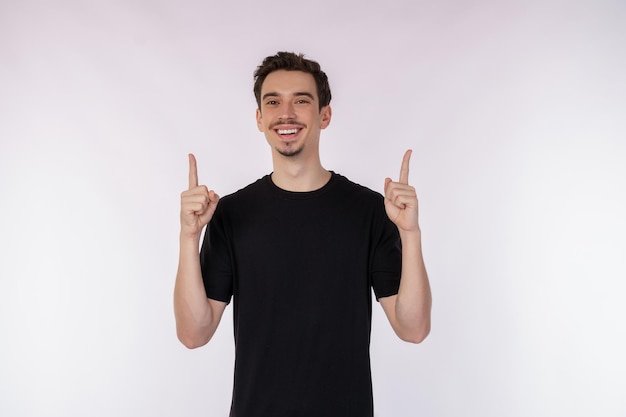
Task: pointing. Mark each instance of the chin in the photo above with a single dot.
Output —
(290, 151)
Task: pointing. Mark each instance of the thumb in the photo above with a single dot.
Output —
(387, 181)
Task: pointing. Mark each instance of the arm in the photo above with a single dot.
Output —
(197, 316)
(409, 310)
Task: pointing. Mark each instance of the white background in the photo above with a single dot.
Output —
(516, 112)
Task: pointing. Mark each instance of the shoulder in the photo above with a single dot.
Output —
(242, 200)
(355, 190)
(250, 191)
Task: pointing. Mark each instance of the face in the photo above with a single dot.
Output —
(290, 115)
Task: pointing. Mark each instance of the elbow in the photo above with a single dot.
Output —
(415, 338)
(411, 321)
(193, 333)
(191, 341)
(190, 344)
(416, 335)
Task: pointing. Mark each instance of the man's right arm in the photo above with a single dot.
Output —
(197, 316)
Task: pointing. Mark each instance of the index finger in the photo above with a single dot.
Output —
(193, 172)
(404, 169)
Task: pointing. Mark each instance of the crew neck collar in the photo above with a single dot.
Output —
(300, 195)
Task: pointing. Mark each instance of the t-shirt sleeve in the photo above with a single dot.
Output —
(387, 259)
(215, 260)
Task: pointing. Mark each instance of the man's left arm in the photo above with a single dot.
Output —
(409, 310)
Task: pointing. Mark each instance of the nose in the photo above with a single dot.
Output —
(287, 110)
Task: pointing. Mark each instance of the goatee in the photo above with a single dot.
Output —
(289, 151)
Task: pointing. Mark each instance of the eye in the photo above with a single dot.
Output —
(271, 102)
(302, 101)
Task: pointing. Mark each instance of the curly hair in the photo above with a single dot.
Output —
(290, 61)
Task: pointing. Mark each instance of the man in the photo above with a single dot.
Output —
(299, 251)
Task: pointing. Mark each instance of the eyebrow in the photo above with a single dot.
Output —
(300, 93)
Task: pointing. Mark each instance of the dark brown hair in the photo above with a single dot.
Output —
(290, 61)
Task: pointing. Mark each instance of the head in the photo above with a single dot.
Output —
(290, 61)
(293, 99)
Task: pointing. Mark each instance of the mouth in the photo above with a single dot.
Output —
(288, 133)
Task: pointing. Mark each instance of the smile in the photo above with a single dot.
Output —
(287, 131)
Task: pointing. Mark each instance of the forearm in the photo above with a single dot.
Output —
(194, 316)
(414, 300)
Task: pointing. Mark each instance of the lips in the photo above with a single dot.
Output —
(288, 132)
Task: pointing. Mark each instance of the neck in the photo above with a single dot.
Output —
(295, 174)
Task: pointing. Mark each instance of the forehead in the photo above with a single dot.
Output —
(283, 82)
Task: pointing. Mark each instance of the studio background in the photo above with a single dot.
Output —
(515, 111)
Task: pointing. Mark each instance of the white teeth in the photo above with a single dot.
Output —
(287, 131)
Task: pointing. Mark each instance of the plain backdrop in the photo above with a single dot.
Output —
(515, 110)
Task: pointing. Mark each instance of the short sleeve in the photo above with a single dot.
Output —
(215, 260)
(387, 259)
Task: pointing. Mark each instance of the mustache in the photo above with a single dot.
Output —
(287, 122)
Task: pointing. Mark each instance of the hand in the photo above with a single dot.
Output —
(197, 204)
(401, 199)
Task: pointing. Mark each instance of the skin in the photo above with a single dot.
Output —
(197, 316)
(289, 101)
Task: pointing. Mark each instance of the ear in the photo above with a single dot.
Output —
(259, 120)
(326, 114)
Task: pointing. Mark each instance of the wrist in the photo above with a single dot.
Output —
(187, 238)
(411, 236)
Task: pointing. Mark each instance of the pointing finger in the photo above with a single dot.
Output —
(193, 172)
(404, 169)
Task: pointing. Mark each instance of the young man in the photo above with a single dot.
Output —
(299, 251)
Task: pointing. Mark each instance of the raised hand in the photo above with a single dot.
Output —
(401, 199)
(197, 204)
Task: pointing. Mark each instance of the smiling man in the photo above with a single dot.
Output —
(299, 252)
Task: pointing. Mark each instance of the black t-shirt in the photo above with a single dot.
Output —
(300, 267)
